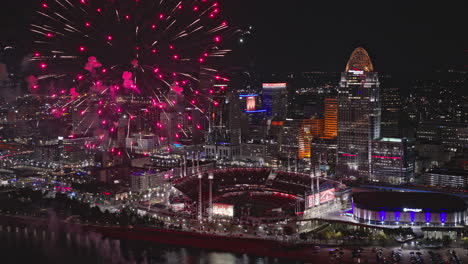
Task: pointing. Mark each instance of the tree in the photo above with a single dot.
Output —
(338, 235)
(382, 238)
(446, 240)
(303, 236)
(464, 241)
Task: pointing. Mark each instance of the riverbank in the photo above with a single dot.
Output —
(234, 244)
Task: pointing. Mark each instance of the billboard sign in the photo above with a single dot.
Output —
(251, 103)
(224, 210)
(177, 207)
(274, 85)
(312, 200)
(327, 195)
(322, 197)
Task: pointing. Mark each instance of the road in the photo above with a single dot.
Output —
(367, 256)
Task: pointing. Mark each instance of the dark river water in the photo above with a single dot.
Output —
(20, 245)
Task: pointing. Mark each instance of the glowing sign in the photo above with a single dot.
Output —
(274, 85)
(177, 207)
(251, 104)
(416, 210)
(327, 195)
(312, 200)
(356, 72)
(223, 209)
(323, 197)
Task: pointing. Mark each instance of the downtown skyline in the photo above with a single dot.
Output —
(174, 131)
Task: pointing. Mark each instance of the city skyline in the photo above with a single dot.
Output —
(174, 131)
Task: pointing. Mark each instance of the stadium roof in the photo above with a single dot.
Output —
(398, 201)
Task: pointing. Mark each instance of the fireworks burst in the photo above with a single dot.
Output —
(105, 49)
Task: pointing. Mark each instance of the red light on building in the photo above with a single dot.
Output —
(274, 85)
(386, 157)
(277, 123)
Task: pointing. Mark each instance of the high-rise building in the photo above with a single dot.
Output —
(234, 117)
(393, 160)
(141, 143)
(169, 125)
(452, 136)
(310, 129)
(391, 106)
(358, 116)
(331, 118)
(275, 100)
(324, 154)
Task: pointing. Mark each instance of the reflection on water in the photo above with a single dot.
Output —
(30, 245)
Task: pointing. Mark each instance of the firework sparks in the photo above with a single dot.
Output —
(147, 47)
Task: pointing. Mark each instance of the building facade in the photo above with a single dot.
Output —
(453, 136)
(391, 112)
(448, 178)
(275, 99)
(358, 116)
(393, 160)
(331, 118)
(310, 129)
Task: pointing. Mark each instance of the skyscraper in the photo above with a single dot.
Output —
(310, 129)
(358, 116)
(393, 160)
(275, 100)
(331, 118)
(391, 105)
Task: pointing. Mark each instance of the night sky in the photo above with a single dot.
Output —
(320, 35)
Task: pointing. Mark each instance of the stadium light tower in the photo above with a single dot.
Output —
(210, 213)
(181, 165)
(312, 189)
(200, 201)
(184, 169)
(193, 162)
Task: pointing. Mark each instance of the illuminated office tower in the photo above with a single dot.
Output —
(331, 118)
(391, 105)
(358, 116)
(393, 160)
(310, 129)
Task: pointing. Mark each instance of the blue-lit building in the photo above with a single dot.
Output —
(408, 208)
(275, 100)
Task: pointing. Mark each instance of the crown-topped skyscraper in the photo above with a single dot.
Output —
(359, 114)
(360, 60)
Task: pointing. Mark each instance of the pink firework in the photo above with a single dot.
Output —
(106, 49)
